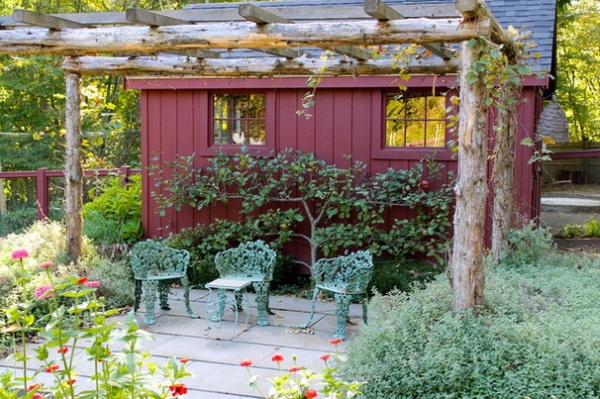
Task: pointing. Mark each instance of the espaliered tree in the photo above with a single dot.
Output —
(343, 208)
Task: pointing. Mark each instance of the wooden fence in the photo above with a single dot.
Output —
(43, 175)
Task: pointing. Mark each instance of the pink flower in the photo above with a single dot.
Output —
(20, 254)
(44, 292)
(45, 265)
(92, 284)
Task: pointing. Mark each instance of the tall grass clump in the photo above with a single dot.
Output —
(538, 336)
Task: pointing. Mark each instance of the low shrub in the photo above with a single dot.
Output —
(114, 215)
(589, 229)
(537, 336)
(398, 274)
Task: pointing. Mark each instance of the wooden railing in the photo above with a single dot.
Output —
(43, 175)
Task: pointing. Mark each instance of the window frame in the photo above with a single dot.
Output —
(382, 151)
(269, 112)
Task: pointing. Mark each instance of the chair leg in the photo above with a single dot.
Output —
(150, 288)
(312, 309)
(221, 299)
(262, 302)
(137, 295)
(185, 283)
(364, 306)
(163, 295)
(343, 310)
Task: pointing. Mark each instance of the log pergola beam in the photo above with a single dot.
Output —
(237, 35)
(262, 17)
(250, 67)
(383, 12)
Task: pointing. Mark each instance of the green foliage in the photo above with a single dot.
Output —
(116, 282)
(74, 317)
(578, 35)
(529, 246)
(45, 241)
(115, 213)
(589, 229)
(402, 275)
(536, 337)
(343, 207)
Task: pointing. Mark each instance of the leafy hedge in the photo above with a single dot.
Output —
(537, 337)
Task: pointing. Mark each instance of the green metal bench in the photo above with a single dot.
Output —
(155, 266)
(252, 261)
(346, 277)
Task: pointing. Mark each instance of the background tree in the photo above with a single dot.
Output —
(578, 80)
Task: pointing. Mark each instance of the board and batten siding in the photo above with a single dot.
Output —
(348, 119)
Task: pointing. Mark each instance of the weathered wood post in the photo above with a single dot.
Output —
(73, 168)
(471, 189)
(505, 209)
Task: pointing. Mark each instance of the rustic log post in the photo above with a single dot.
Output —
(73, 168)
(505, 210)
(471, 189)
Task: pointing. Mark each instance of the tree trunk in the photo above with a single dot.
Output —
(73, 168)
(505, 213)
(471, 190)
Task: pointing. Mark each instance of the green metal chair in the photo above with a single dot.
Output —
(252, 261)
(346, 277)
(155, 266)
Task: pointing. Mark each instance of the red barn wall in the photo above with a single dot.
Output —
(348, 119)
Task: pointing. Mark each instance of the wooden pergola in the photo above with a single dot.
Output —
(275, 39)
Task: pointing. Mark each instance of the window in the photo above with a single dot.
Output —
(239, 119)
(415, 120)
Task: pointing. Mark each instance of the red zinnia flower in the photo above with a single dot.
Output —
(325, 357)
(277, 358)
(184, 360)
(310, 393)
(82, 280)
(246, 363)
(20, 254)
(294, 369)
(45, 265)
(336, 341)
(178, 389)
(63, 349)
(37, 396)
(34, 386)
(52, 368)
(71, 382)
